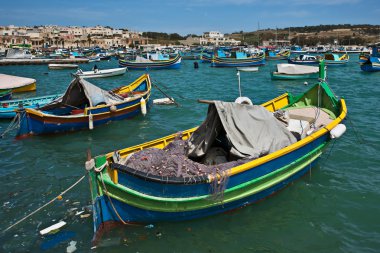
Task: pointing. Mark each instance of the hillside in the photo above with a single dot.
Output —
(345, 34)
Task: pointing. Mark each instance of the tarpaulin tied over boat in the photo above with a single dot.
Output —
(85, 106)
(82, 92)
(251, 131)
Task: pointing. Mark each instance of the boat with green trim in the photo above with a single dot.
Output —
(286, 71)
(5, 94)
(165, 180)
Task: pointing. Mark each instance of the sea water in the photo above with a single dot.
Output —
(334, 208)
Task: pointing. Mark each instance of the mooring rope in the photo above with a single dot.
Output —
(110, 200)
(46, 204)
(15, 123)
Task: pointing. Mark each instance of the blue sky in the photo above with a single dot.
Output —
(190, 16)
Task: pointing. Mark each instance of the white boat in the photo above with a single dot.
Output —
(100, 73)
(248, 69)
(62, 66)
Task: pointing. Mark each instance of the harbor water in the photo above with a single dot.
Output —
(334, 208)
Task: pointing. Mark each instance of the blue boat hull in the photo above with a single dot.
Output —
(104, 210)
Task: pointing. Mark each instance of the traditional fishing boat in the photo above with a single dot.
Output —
(230, 161)
(238, 59)
(84, 106)
(96, 73)
(336, 59)
(305, 59)
(277, 55)
(8, 108)
(5, 94)
(62, 66)
(330, 59)
(287, 71)
(370, 62)
(146, 63)
(17, 83)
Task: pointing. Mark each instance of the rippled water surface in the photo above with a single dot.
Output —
(335, 208)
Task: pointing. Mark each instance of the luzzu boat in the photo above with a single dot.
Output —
(370, 62)
(330, 59)
(84, 106)
(146, 63)
(131, 186)
(8, 108)
(336, 60)
(277, 55)
(238, 59)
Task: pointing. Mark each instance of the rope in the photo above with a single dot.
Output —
(48, 203)
(15, 123)
(155, 85)
(178, 94)
(357, 135)
(110, 200)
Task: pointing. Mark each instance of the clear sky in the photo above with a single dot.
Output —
(189, 16)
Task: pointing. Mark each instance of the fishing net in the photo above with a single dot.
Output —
(173, 162)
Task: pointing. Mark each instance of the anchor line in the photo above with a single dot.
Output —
(46, 204)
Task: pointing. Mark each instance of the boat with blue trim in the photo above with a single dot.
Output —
(152, 61)
(5, 94)
(174, 179)
(8, 108)
(239, 59)
(370, 62)
(330, 59)
(85, 106)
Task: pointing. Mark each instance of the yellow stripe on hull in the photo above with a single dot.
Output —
(29, 87)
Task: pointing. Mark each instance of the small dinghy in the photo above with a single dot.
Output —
(100, 73)
(248, 69)
(294, 71)
(17, 83)
(62, 66)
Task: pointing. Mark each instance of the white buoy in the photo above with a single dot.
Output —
(113, 108)
(338, 131)
(143, 106)
(243, 101)
(90, 122)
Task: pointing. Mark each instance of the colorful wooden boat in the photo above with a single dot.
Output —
(8, 108)
(304, 59)
(293, 71)
(330, 59)
(17, 83)
(238, 59)
(122, 194)
(370, 62)
(5, 94)
(84, 106)
(277, 55)
(336, 59)
(143, 63)
(97, 73)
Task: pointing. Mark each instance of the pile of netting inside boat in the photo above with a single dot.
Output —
(231, 135)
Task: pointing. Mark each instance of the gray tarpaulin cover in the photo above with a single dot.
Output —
(82, 92)
(251, 130)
